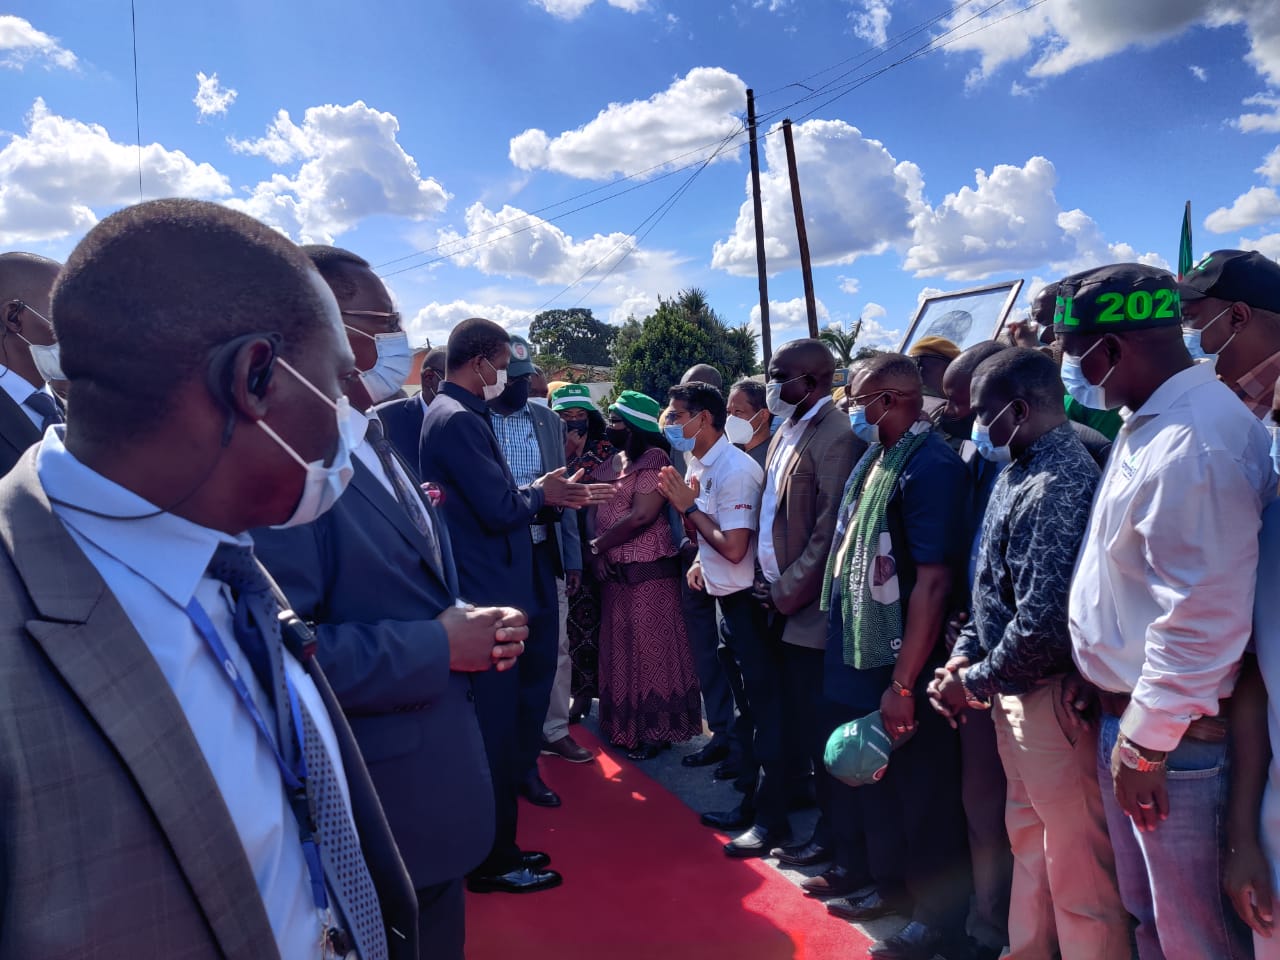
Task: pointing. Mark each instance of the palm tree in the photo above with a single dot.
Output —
(840, 343)
(742, 343)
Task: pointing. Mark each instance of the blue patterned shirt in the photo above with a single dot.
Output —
(1031, 534)
(519, 445)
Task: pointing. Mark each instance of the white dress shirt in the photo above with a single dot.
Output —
(789, 435)
(20, 389)
(731, 482)
(1162, 596)
(154, 567)
(365, 453)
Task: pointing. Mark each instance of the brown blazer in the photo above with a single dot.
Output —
(808, 501)
(114, 840)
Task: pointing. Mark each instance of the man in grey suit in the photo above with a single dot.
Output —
(157, 779)
(26, 406)
(532, 441)
(376, 577)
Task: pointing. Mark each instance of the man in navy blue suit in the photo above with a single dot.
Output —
(376, 577)
(403, 418)
(489, 519)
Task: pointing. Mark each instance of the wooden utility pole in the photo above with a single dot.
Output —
(802, 235)
(766, 340)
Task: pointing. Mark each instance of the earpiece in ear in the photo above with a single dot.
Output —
(222, 364)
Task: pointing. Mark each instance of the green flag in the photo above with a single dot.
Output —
(1185, 260)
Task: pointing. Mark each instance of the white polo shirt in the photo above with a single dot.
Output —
(731, 482)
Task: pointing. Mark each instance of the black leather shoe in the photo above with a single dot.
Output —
(869, 906)
(802, 855)
(739, 818)
(729, 770)
(713, 752)
(835, 881)
(756, 842)
(520, 880)
(915, 941)
(534, 859)
(538, 793)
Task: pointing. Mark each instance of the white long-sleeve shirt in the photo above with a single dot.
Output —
(1162, 596)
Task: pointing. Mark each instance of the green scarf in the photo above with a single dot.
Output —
(872, 628)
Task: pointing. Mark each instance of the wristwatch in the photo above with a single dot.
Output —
(1131, 756)
(595, 551)
(691, 509)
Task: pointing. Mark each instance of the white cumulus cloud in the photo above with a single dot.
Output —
(1251, 208)
(790, 316)
(56, 174)
(572, 9)
(1200, 73)
(859, 200)
(1270, 168)
(1071, 33)
(510, 242)
(694, 113)
(351, 167)
(1009, 221)
(212, 99)
(21, 44)
(1268, 246)
(1266, 120)
(871, 19)
(434, 321)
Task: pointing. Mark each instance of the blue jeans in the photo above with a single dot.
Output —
(1171, 880)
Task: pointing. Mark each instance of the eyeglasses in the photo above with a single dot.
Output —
(862, 399)
(392, 318)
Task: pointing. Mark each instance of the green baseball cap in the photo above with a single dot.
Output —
(572, 395)
(638, 409)
(1117, 298)
(858, 752)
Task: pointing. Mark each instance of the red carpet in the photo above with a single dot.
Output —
(645, 881)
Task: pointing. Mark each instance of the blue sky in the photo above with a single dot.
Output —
(1032, 139)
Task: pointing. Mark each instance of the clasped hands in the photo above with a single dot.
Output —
(484, 637)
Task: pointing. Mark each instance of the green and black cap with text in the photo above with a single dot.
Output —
(1235, 276)
(1117, 298)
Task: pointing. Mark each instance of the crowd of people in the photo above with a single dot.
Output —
(281, 648)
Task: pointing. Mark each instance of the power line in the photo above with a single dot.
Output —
(137, 103)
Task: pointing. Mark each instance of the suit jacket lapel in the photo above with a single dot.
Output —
(94, 647)
(371, 488)
(16, 427)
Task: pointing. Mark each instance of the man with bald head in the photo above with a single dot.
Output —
(28, 356)
(809, 461)
(899, 544)
(703, 373)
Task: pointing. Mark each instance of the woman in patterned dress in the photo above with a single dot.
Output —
(586, 449)
(649, 695)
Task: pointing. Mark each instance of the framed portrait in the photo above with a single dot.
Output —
(966, 317)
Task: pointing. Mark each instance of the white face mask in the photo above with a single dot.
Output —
(387, 375)
(540, 401)
(738, 431)
(494, 390)
(773, 398)
(46, 356)
(322, 485)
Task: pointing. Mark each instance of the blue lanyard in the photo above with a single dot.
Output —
(294, 775)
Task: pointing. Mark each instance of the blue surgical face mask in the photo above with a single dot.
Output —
(679, 442)
(863, 429)
(981, 438)
(1192, 337)
(1274, 430)
(1083, 392)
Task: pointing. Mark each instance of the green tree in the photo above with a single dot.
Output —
(842, 343)
(625, 337)
(573, 334)
(741, 345)
(667, 345)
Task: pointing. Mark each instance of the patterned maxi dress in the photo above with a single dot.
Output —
(648, 688)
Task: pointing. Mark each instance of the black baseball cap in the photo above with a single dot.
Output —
(1117, 298)
(1243, 276)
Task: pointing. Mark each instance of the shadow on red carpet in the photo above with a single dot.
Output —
(645, 881)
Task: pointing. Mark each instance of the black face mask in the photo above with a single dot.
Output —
(516, 394)
(962, 428)
(618, 437)
(577, 426)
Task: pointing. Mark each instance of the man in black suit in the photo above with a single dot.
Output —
(26, 406)
(489, 519)
(376, 576)
(402, 419)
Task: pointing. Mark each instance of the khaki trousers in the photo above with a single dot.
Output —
(1065, 899)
